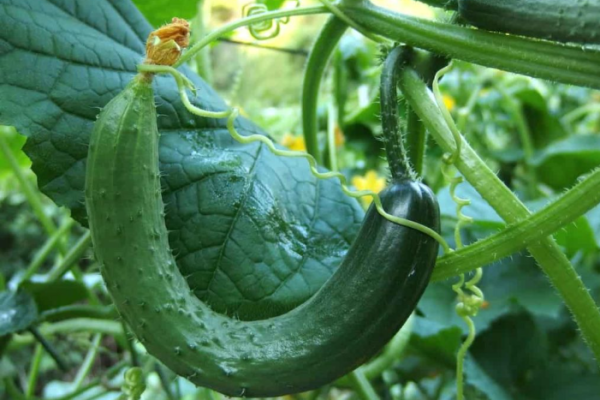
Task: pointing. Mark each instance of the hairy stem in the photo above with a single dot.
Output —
(546, 252)
(416, 140)
(574, 203)
(546, 60)
(394, 142)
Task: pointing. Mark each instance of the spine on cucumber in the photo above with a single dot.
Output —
(345, 323)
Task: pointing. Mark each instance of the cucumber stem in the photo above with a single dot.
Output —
(553, 262)
(394, 147)
(416, 140)
(574, 203)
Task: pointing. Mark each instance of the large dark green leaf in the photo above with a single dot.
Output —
(49, 295)
(517, 355)
(561, 163)
(256, 234)
(17, 312)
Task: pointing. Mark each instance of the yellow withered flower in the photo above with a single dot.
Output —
(164, 45)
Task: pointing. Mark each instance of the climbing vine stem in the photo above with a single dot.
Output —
(516, 236)
(546, 252)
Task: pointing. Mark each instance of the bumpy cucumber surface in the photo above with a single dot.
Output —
(345, 323)
(575, 21)
(560, 20)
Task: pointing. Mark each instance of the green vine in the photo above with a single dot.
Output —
(571, 205)
(547, 253)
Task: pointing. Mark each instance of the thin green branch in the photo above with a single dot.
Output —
(362, 385)
(104, 326)
(34, 371)
(33, 196)
(49, 349)
(164, 380)
(319, 56)
(255, 19)
(88, 362)
(580, 112)
(71, 258)
(45, 251)
(546, 252)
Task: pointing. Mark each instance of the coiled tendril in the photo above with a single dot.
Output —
(267, 29)
(468, 303)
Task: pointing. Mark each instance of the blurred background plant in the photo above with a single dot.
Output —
(539, 137)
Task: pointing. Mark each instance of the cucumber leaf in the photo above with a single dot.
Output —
(49, 295)
(562, 162)
(17, 312)
(255, 234)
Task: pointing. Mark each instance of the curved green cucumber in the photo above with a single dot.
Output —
(560, 20)
(345, 323)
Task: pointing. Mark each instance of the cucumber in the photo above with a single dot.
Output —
(559, 20)
(346, 322)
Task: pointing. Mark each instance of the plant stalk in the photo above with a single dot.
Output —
(546, 252)
(574, 203)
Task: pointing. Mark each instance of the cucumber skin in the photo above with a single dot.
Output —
(345, 323)
(560, 20)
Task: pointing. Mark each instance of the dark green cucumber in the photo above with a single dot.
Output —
(575, 21)
(561, 20)
(345, 323)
